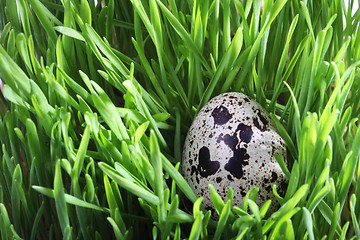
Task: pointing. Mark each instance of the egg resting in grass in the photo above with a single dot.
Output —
(231, 143)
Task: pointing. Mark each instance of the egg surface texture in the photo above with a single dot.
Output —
(231, 143)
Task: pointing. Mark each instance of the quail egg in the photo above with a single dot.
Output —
(231, 143)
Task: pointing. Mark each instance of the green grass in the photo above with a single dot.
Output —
(97, 101)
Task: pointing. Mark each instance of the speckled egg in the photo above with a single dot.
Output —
(231, 143)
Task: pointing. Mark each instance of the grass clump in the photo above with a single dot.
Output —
(98, 97)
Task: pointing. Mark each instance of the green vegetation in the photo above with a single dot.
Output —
(97, 100)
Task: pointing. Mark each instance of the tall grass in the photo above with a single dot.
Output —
(97, 100)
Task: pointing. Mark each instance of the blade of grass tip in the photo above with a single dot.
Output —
(11, 12)
(284, 55)
(75, 86)
(214, 31)
(344, 231)
(34, 61)
(110, 198)
(140, 131)
(306, 14)
(89, 188)
(258, 80)
(130, 186)
(309, 223)
(39, 10)
(255, 21)
(80, 156)
(4, 223)
(156, 161)
(35, 148)
(21, 45)
(326, 125)
(227, 61)
(70, 33)
(60, 90)
(142, 106)
(116, 229)
(274, 11)
(59, 196)
(322, 187)
(23, 12)
(283, 166)
(85, 12)
(264, 208)
(196, 228)
(92, 37)
(13, 97)
(16, 198)
(222, 220)
(288, 209)
(284, 229)
(179, 179)
(354, 216)
(350, 169)
(195, 81)
(10, 46)
(150, 73)
(244, 24)
(183, 34)
(5, 33)
(216, 199)
(254, 210)
(108, 110)
(334, 226)
(289, 70)
(70, 199)
(8, 66)
(226, 24)
(43, 116)
(297, 121)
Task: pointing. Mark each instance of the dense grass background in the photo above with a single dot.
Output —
(97, 100)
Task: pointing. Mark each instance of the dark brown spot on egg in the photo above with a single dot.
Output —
(262, 127)
(220, 137)
(238, 160)
(218, 179)
(221, 115)
(235, 164)
(245, 132)
(206, 166)
(247, 99)
(193, 170)
(274, 177)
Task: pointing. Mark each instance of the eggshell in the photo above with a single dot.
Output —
(231, 143)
